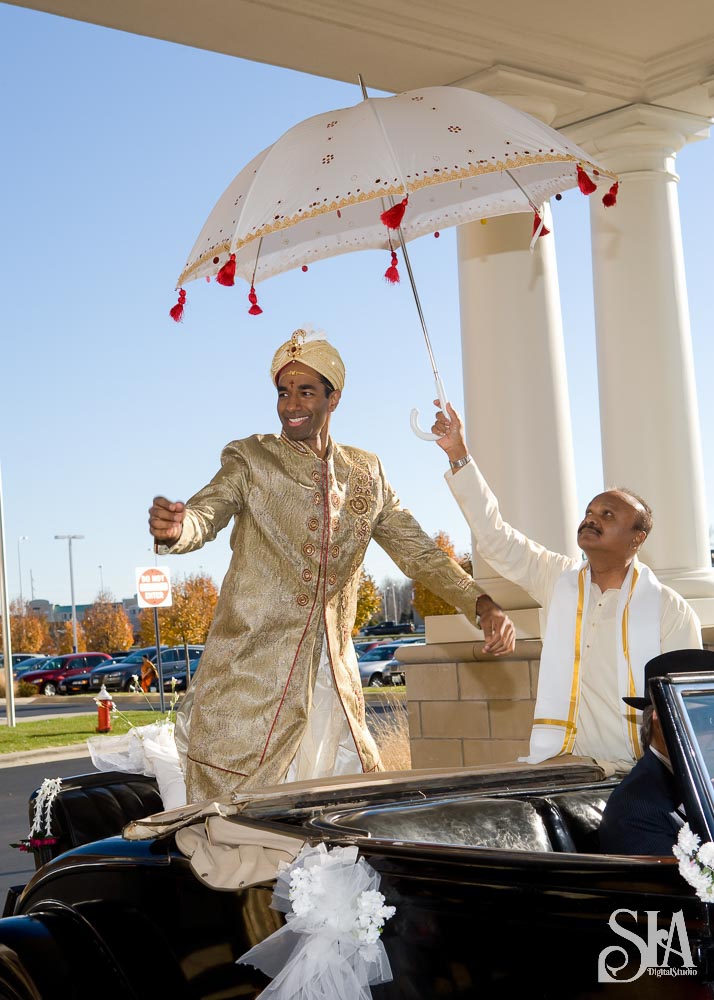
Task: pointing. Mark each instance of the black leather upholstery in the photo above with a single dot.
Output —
(573, 819)
(93, 806)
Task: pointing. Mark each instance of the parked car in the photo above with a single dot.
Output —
(363, 647)
(33, 663)
(379, 666)
(56, 668)
(119, 674)
(80, 683)
(388, 628)
(176, 670)
(21, 658)
(497, 878)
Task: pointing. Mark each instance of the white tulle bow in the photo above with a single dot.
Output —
(330, 945)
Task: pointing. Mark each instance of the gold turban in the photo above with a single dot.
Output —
(314, 351)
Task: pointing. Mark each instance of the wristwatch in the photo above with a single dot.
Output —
(460, 463)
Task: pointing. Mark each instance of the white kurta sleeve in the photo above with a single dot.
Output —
(679, 626)
(506, 550)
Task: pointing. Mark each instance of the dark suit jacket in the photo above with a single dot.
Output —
(641, 815)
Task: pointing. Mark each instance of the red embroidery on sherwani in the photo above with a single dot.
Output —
(313, 524)
(336, 549)
(307, 575)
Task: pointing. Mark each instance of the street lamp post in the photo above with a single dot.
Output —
(5, 615)
(71, 587)
(22, 538)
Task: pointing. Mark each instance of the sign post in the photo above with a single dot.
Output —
(153, 590)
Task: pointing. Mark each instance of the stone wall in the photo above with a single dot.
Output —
(466, 708)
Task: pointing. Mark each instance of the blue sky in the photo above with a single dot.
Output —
(115, 150)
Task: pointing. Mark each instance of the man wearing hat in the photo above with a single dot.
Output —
(604, 618)
(278, 696)
(644, 814)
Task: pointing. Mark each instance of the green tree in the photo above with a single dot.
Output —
(369, 601)
(106, 625)
(189, 617)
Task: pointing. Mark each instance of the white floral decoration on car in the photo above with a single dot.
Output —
(41, 833)
(696, 862)
(330, 944)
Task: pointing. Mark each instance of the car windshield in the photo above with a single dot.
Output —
(52, 664)
(699, 719)
(136, 658)
(378, 653)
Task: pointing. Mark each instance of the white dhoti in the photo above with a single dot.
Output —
(327, 747)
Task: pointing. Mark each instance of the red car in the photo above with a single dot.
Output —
(46, 679)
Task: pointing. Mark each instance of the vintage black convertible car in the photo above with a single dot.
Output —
(499, 886)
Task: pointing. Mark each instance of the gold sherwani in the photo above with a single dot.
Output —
(301, 528)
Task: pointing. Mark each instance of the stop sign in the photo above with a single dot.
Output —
(153, 587)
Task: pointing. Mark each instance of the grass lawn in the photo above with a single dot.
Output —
(65, 731)
(71, 730)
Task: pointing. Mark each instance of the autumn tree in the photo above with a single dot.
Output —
(61, 634)
(189, 617)
(106, 625)
(28, 630)
(427, 603)
(369, 601)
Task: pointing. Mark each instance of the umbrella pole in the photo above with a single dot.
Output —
(438, 384)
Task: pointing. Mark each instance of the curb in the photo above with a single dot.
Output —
(19, 757)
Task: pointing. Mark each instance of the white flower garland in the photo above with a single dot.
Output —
(696, 863)
(330, 944)
(40, 834)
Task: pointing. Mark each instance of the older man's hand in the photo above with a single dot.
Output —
(498, 629)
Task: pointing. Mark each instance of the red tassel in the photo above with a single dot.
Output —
(176, 312)
(610, 198)
(392, 218)
(584, 182)
(255, 309)
(537, 221)
(227, 274)
(392, 274)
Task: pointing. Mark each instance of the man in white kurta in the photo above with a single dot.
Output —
(605, 618)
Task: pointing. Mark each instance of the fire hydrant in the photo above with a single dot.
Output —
(104, 708)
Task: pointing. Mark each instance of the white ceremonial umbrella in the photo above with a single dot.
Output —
(379, 174)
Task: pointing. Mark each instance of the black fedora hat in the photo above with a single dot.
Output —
(677, 661)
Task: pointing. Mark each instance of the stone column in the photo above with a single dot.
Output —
(648, 407)
(515, 384)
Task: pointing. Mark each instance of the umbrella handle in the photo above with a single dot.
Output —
(414, 415)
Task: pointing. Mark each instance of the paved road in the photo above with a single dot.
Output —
(29, 708)
(21, 774)
(16, 785)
